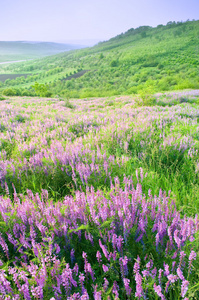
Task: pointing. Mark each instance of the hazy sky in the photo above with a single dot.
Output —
(67, 20)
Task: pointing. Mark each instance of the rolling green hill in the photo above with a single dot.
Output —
(140, 60)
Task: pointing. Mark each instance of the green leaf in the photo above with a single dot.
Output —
(106, 223)
(82, 227)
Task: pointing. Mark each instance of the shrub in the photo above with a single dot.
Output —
(11, 92)
(48, 94)
(146, 99)
(114, 63)
(42, 90)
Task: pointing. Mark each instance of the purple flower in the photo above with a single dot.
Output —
(180, 274)
(138, 279)
(81, 280)
(192, 256)
(84, 255)
(25, 290)
(105, 268)
(75, 296)
(113, 255)
(136, 267)
(172, 278)
(139, 289)
(160, 275)
(145, 273)
(184, 287)
(85, 296)
(104, 250)
(76, 269)
(173, 265)
(88, 269)
(105, 285)
(149, 265)
(158, 290)
(153, 273)
(5, 285)
(37, 292)
(98, 255)
(4, 246)
(127, 287)
(114, 241)
(115, 290)
(97, 295)
(72, 255)
(120, 242)
(182, 255)
(166, 268)
(123, 266)
(67, 279)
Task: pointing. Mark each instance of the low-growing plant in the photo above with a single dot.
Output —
(109, 103)
(19, 118)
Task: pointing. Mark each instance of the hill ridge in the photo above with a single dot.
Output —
(145, 59)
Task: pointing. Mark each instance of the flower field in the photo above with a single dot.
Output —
(99, 198)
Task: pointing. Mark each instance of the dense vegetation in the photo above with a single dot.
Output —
(142, 59)
(99, 198)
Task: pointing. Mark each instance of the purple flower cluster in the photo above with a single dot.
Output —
(54, 234)
(105, 239)
(54, 138)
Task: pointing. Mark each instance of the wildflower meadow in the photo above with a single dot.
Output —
(99, 197)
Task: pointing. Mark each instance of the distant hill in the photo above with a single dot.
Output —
(23, 50)
(141, 60)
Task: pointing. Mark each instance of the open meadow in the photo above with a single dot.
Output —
(100, 197)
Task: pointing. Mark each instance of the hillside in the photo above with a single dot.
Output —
(22, 50)
(144, 60)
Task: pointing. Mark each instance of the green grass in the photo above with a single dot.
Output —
(148, 147)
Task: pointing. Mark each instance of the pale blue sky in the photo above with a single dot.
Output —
(76, 20)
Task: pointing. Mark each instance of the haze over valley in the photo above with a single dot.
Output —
(26, 50)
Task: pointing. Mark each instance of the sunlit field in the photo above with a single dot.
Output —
(99, 197)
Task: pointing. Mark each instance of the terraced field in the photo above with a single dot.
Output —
(4, 77)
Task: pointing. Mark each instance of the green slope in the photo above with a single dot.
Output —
(143, 59)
